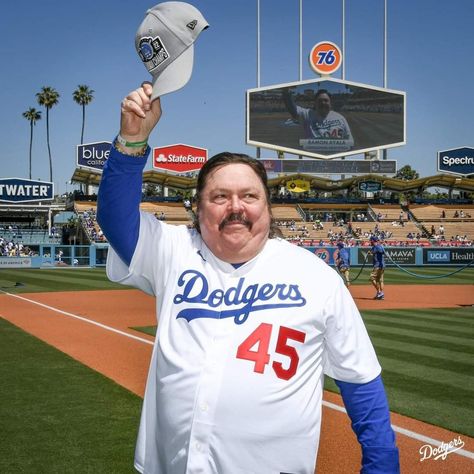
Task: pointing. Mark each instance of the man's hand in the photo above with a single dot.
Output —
(139, 114)
(289, 104)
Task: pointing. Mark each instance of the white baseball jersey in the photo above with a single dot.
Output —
(235, 381)
(330, 134)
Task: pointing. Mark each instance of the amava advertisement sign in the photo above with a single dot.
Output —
(179, 158)
(398, 255)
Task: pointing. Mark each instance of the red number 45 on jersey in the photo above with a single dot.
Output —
(260, 356)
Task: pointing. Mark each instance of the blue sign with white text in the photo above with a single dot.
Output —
(457, 161)
(25, 190)
(93, 155)
(438, 256)
(451, 256)
(370, 186)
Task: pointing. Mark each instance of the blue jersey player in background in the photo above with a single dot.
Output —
(376, 276)
(342, 258)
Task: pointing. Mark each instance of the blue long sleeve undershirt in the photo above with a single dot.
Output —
(118, 201)
(366, 404)
(367, 407)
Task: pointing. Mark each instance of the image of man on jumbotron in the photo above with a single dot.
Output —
(324, 129)
(376, 276)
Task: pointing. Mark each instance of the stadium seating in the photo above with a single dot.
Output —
(172, 213)
(447, 223)
(315, 223)
(434, 213)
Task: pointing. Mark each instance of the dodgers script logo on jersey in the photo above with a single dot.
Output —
(328, 129)
(241, 300)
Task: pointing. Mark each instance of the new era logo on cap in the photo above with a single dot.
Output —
(165, 43)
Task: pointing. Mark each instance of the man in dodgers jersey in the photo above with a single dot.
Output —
(248, 324)
(324, 129)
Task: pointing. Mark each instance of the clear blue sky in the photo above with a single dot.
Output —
(62, 44)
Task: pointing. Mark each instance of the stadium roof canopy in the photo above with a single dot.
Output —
(89, 177)
(391, 184)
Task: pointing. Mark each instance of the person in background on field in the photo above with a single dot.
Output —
(343, 262)
(376, 276)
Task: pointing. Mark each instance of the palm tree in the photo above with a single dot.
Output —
(48, 97)
(83, 96)
(32, 115)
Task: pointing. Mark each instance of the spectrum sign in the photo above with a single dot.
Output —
(458, 161)
(179, 158)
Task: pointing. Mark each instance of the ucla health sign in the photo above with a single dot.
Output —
(25, 190)
(93, 155)
(458, 161)
(450, 256)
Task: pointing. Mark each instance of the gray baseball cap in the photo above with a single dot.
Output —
(164, 42)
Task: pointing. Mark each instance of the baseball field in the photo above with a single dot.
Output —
(75, 350)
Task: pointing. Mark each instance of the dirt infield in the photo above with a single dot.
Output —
(94, 328)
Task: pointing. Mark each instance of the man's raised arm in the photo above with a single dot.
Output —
(289, 103)
(119, 197)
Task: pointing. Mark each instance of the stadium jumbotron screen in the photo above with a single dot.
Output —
(325, 118)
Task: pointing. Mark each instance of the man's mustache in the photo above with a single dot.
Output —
(235, 217)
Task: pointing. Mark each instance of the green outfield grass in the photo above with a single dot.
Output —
(423, 275)
(55, 279)
(428, 364)
(58, 416)
(77, 279)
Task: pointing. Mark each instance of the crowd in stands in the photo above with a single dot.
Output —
(93, 231)
(10, 248)
(455, 241)
(439, 235)
(328, 228)
(307, 226)
(461, 214)
(375, 232)
(16, 239)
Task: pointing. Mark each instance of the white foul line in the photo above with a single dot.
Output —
(408, 433)
(333, 406)
(80, 318)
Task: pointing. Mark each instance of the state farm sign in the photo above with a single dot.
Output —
(179, 158)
